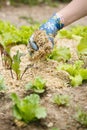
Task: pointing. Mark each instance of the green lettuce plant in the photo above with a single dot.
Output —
(82, 46)
(60, 54)
(81, 117)
(16, 60)
(61, 100)
(76, 72)
(38, 85)
(76, 32)
(27, 109)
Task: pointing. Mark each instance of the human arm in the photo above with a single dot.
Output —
(72, 12)
(75, 10)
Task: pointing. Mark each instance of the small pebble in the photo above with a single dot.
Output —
(50, 124)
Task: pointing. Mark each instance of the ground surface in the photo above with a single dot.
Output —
(38, 13)
(59, 117)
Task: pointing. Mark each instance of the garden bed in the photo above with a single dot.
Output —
(56, 83)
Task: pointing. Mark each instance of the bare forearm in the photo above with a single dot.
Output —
(74, 11)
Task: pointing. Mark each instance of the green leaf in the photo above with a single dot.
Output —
(67, 67)
(76, 81)
(38, 85)
(26, 32)
(33, 98)
(16, 64)
(60, 54)
(15, 98)
(82, 46)
(77, 73)
(76, 33)
(71, 69)
(27, 109)
(11, 35)
(28, 86)
(65, 34)
(79, 31)
(61, 100)
(83, 73)
(41, 112)
(81, 117)
(16, 113)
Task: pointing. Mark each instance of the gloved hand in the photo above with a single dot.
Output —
(50, 27)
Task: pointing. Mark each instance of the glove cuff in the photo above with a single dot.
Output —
(53, 24)
(59, 20)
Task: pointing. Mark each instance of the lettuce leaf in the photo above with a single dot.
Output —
(82, 46)
(77, 73)
(16, 64)
(27, 109)
(38, 85)
(76, 32)
(60, 54)
(12, 35)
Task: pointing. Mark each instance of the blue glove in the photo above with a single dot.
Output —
(50, 27)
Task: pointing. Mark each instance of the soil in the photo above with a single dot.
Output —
(56, 82)
(18, 14)
(43, 43)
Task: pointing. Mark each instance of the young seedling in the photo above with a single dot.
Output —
(6, 58)
(16, 64)
(38, 85)
(27, 109)
(26, 68)
(81, 117)
(61, 100)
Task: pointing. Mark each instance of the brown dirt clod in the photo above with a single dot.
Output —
(43, 43)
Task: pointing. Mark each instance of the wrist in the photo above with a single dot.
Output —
(59, 21)
(60, 16)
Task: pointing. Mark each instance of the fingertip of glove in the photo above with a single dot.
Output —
(33, 45)
(52, 41)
